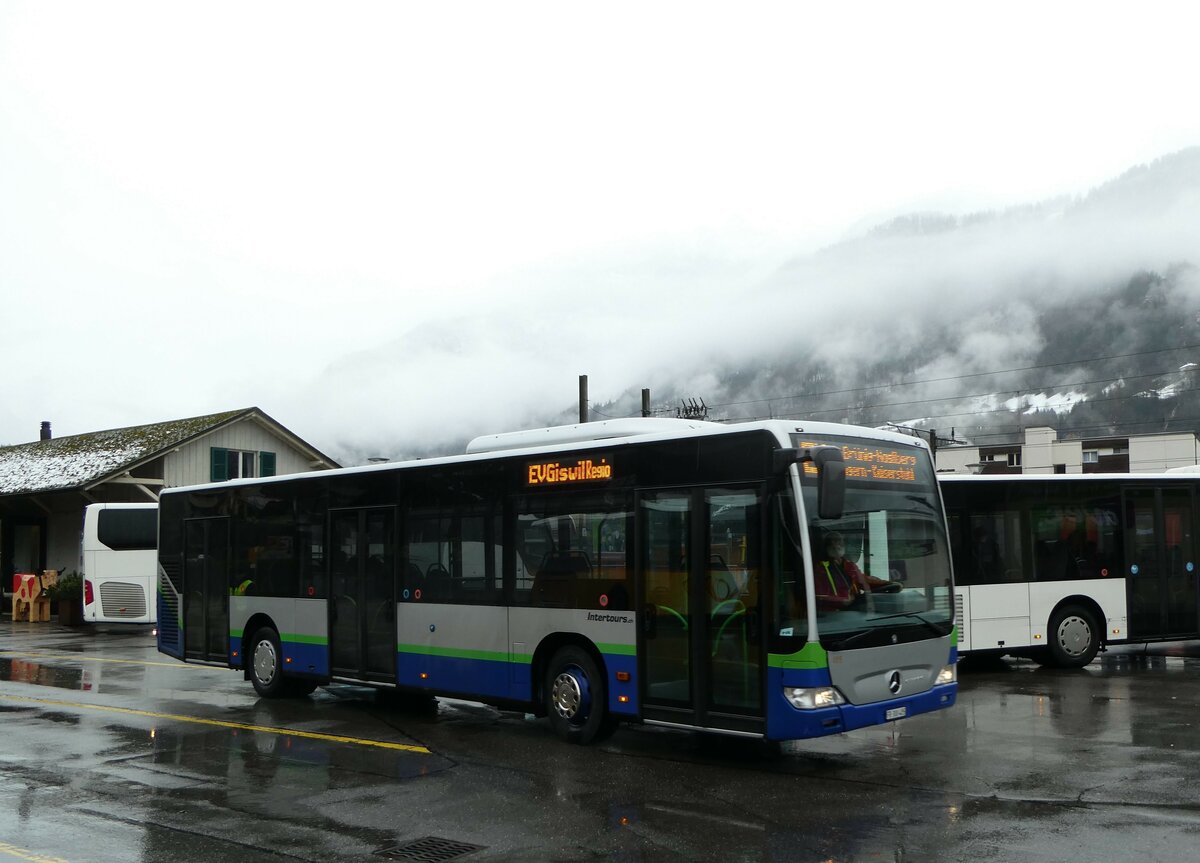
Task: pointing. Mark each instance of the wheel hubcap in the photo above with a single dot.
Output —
(265, 662)
(1074, 636)
(570, 695)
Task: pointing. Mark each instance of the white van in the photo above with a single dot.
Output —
(120, 560)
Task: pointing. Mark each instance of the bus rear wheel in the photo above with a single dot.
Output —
(1074, 637)
(576, 697)
(266, 664)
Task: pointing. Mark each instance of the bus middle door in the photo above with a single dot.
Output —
(362, 594)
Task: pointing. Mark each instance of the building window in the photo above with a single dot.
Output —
(239, 464)
(1014, 459)
(1060, 468)
(1091, 456)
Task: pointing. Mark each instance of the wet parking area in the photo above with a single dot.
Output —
(113, 752)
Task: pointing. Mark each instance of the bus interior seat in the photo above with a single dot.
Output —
(555, 582)
(438, 585)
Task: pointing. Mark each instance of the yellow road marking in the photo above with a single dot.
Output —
(26, 854)
(77, 658)
(241, 726)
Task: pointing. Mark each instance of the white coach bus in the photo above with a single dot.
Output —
(120, 561)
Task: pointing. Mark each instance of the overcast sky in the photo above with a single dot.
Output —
(379, 222)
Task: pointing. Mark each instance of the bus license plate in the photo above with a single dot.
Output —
(896, 713)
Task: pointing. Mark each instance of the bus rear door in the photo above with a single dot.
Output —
(1160, 562)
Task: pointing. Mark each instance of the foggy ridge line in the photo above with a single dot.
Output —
(1032, 389)
(959, 377)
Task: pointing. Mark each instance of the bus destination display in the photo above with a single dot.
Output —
(871, 463)
(565, 473)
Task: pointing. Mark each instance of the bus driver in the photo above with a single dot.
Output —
(839, 582)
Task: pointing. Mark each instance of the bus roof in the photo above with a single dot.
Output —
(582, 436)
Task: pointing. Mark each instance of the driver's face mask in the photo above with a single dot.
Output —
(837, 550)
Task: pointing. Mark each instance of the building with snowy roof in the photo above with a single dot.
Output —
(45, 485)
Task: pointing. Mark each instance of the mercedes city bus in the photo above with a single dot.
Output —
(642, 570)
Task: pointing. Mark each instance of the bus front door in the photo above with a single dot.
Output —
(701, 635)
(1160, 566)
(206, 589)
(362, 594)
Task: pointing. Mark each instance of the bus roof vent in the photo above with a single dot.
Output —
(585, 432)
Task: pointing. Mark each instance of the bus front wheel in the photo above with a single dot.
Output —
(266, 664)
(576, 697)
(1074, 637)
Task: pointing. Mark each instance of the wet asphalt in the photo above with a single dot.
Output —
(114, 752)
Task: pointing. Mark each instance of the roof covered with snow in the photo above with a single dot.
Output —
(79, 461)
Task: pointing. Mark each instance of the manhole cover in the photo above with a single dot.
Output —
(431, 849)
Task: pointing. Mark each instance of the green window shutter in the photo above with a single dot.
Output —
(266, 464)
(219, 464)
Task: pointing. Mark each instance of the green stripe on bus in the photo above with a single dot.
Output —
(287, 637)
(812, 655)
(618, 649)
(458, 653)
(495, 656)
(954, 637)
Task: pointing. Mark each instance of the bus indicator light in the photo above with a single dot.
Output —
(623, 699)
(623, 676)
(424, 675)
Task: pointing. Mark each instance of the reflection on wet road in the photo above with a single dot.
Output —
(112, 753)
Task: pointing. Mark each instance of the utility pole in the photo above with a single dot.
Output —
(583, 399)
(645, 402)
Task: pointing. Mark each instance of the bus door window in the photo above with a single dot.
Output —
(734, 520)
(666, 544)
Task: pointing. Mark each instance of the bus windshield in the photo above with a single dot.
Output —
(881, 571)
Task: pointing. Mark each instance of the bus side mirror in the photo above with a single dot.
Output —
(831, 475)
(831, 481)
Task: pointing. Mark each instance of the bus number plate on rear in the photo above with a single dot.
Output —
(896, 713)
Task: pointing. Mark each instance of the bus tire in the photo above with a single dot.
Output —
(1074, 637)
(266, 664)
(576, 697)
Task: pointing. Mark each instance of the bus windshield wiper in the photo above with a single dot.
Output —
(929, 623)
(851, 639)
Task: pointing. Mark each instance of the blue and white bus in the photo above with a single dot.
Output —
(642, 570)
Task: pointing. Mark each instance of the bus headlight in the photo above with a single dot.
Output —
(813, 698)
(949, 674)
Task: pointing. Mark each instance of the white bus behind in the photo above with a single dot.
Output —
(120, 559)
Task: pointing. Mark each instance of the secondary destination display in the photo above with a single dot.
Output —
(581, 470)
(871, 463)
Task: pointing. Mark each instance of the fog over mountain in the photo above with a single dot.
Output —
(1078, 313)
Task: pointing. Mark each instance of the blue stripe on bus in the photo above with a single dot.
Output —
(785, 722)
(305, 658)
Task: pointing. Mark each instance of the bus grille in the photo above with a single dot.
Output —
(168, 604)
(959, 620)
(120, 599)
